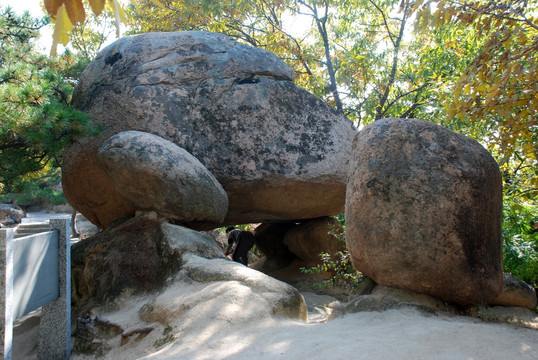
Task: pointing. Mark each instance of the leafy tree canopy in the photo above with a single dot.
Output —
(496, 98)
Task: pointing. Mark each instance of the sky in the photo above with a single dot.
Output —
(34, 7)
(21, 5)
(298, 26)
(44, 42)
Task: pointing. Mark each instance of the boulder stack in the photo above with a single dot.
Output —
(279, 152)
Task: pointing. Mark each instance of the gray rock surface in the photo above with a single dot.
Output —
(283, 299)
(156, 174)
(385, 298)
(423, 211)
(515, 292)
(279, 152)
(11, 214)
(146, 256)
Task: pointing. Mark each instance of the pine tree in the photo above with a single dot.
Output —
(36, 119)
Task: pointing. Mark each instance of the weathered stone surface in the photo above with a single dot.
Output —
(311, 238)
(384, 298)
(178, 267)
(156, 174)
(423, 211)
(207, 295)
(515, 292)
(282, 299)
(279, 152)
(11, 214)
(137, 254)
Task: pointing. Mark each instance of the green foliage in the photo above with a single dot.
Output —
(343, 273)
(36, 120)
(167, 338)
(339, 266)
(520, 241)
(43, 189)
(495, 98)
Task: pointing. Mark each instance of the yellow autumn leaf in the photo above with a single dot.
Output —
(97, 6)
(52, 7)
(530, 150)
(506, 74)
(519, 102)
(119, 14)
(518, 68)
(75, 11)
(62, 26)
(118, 11)
(438, 20)
(123, 18)
(457, 90)
(482, 88)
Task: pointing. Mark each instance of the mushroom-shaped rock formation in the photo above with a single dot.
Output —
(279, 152)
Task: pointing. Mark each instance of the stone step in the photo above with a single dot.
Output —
(29, 229)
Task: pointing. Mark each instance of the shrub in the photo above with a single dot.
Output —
(339, 265)
(520, 240)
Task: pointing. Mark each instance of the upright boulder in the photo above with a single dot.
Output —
(423, 211)
(279, 152)
(156, 174)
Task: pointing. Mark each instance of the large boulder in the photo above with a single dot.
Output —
(279, 152)
(423, 211)
(149, 257)
(137, 253)
(310, 238)
(156, 174)
(516, 292)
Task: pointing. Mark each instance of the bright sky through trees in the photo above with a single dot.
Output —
(34, 7)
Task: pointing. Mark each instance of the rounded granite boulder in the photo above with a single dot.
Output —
(155, 174)
(423, 211)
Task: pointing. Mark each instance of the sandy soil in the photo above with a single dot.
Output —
(394, 334)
